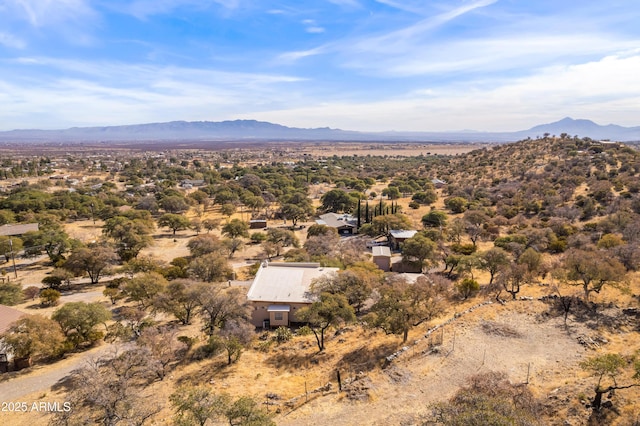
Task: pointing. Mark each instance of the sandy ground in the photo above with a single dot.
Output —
(402, 393)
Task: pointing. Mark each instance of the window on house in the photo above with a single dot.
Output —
(278, 316)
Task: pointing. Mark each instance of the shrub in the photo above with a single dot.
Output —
(49, 297)
(467, 288)
(305, 330)
(283, 334)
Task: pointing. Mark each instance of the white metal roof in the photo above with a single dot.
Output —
(381, 251)
(285, 282)
(395, 233)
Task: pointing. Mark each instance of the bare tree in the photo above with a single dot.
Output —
(219, 304)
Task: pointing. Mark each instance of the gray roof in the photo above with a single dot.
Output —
(402, 234)
(285, 282)
(18, 229)
(335, 220)
(381, 251)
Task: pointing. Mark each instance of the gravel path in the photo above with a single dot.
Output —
(42, 378)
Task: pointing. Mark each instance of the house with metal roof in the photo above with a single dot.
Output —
(343, 223)
(280, 289)
(398, 236)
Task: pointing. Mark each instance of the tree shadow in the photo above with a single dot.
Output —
(292, 358)
(589, 314)
(170, 235)
(367, 358)
(211, 370)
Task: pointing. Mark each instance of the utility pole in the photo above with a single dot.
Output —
(13, 258)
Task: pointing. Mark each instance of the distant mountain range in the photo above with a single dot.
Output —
(252, 130)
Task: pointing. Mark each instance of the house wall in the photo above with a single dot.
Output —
(383, 262)
(259, 313)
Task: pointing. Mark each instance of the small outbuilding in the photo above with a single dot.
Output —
(257, 223)
(382, 257)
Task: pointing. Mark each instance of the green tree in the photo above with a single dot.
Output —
(174, 204)
(234, 336)
(383, 224)
(9, 246)
(33, 336)
(606, 368)
(10, 293)
(228, 209)
(329, 310)
(211, 224)
(49, 297)
(425, 197)
(175, 222)
(180, 298)
(419, 249)
(245, 411)
(467, 287)
(392, 192)
(52, 240)
(203, 244)
(512, 278)
(197, 405)
(337, 201)
(130, 234)
(95, 261)
(294, 213)
(402, 306)
(591, 270)
(79, 320)
(493, 260)
(434, 219)
(236, 228)
(356, 283)
(144, 288)
(211, 267)
(456, 204)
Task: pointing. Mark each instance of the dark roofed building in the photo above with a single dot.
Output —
(343, 223)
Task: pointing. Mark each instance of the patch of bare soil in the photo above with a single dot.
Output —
(514, 338)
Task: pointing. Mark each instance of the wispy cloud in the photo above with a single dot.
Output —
(99, 93)
(405, 5)
(42, 13)
(395, 42)
(143, 9)
(9, 40)
(546, 95)
(346, 3)
(312, 27)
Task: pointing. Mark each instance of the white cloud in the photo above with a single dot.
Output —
(346, 3)
(606, 90)
(43, 13)
(106, 93)
(404, 41)
(9, 40)
(142, 9)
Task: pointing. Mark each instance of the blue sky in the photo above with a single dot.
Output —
(372, 65)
